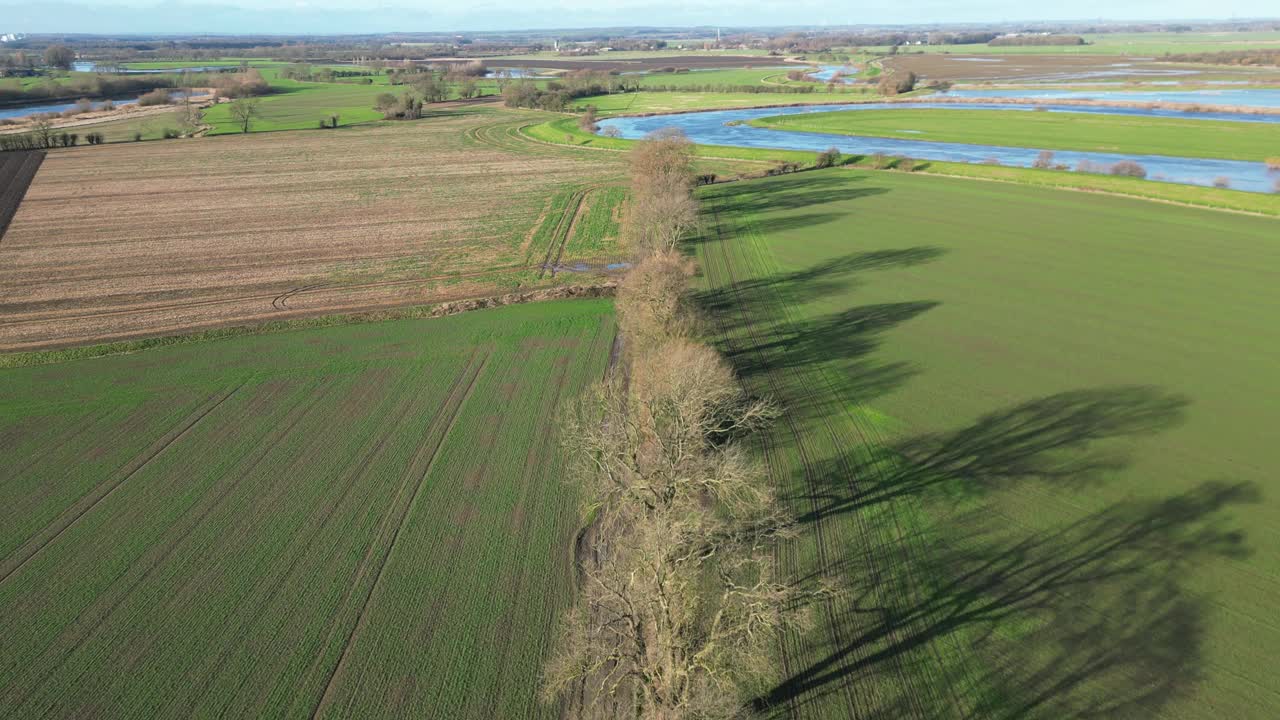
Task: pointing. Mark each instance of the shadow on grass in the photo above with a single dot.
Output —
(788, 192)
(963, 612)
(981, 617)
(766, 334)
(1054, 440)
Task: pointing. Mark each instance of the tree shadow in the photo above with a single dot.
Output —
(1058, 439)
(760, 336)
(977, 616)
(765, 299)
(787, 192)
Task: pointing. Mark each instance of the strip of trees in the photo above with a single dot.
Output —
(678, 607)
(1258, 57)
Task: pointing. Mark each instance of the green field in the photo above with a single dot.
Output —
(1049, 130)
(296, 105)
(1026, 433)
(359, 521)
(300, 105)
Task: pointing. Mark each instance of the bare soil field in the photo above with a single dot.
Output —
(1053, 68)
(139, 240)
(16, 172)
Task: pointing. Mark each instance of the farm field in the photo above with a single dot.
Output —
(1023, 432)
(297, 105)
(146, 239)
(652, 103)
(761, 76)
(300, 105)
(1050, 130)
(1138, 44)
(1064, 68)
(366, 521)
(17, 169)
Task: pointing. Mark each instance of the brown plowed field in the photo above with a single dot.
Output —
(156, 238)
(1043, 68)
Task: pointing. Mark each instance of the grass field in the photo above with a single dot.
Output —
(1050, 130)
(299, 105)
(367, 521)
(757, 76)
(1024, 433)
(145, 239)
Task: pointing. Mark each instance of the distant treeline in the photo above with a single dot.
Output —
(558, 94)
(1235, 57)
(1010, 40)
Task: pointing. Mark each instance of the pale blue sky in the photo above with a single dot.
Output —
(335, 16)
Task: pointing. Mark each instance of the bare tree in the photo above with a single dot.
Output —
(657, 220)
(661, 209)
(652, 305)
(588, 119)
(682, 614)
(42, 130)
(468, 88)
(244, 110)
(1129, 168)
(59, 56)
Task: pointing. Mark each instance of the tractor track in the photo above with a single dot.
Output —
(807, 463)
(878, 565)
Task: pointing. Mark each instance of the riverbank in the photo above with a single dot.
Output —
(1058, 130)
(565, 131)
(1096, 102)
(96, 117)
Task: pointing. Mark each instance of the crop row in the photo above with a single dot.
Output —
(355, 520)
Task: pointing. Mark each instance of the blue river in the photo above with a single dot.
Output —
(727, 127)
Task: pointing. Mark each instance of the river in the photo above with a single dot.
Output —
(727, 127)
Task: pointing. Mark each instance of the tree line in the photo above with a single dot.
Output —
(678, 606)
(1253, 58)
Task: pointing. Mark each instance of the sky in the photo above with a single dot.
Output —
(372, 16)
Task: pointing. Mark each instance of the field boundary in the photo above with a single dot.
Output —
(606, 288)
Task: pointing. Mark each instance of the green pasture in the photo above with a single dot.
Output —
(367, 520)
(740, 76)
(1050, 130)
(296, 105)
(300, 105)
(1025, 435)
